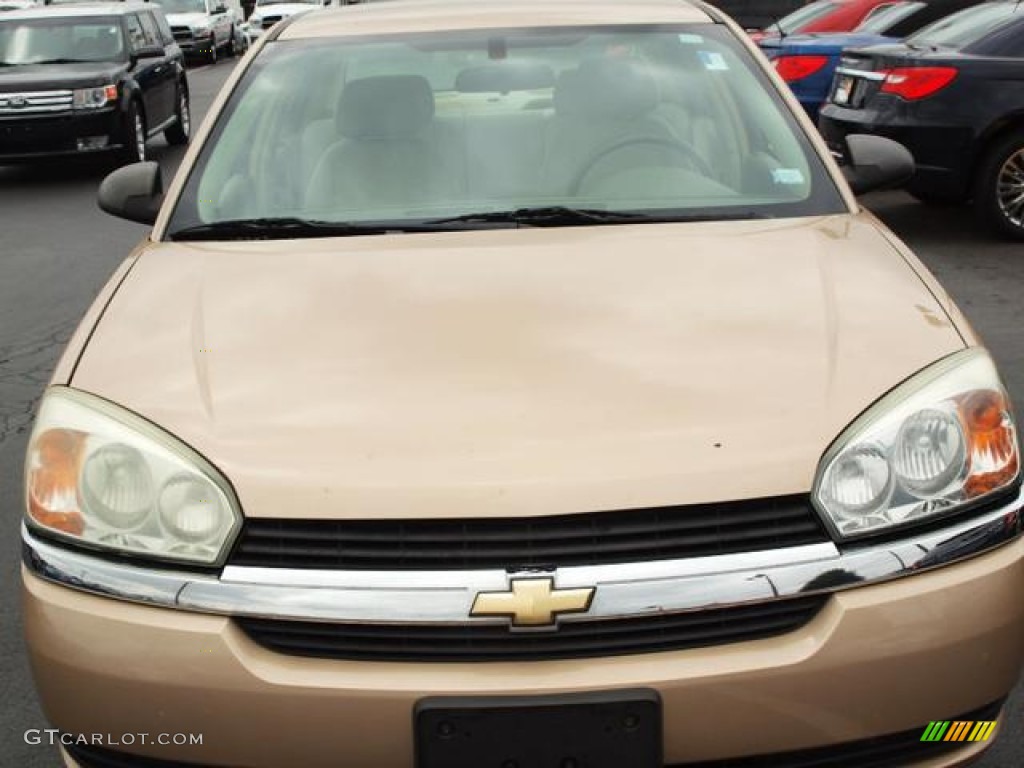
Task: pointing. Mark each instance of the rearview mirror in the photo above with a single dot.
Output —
(134, 192)
(874, 162)
(148, 52)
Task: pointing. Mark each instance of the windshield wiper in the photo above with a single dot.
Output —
(542, 216)
(281, 228)
(558, 216)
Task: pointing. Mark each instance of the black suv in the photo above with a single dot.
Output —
(89, 78)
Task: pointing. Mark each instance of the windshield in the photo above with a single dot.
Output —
(40, 41)
(881, 22)
(412, 129)
(801, 17)
(182, 6)
(965, 27)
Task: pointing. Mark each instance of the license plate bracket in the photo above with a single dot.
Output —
(591, 730)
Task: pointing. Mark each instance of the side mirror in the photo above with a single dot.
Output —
(134, 192)
(148, 52)
(875, 162)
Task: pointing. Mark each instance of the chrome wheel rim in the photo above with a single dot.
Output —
(140, 137)
(1010, 188)
(183, 115)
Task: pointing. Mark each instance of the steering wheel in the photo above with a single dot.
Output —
(678, 146)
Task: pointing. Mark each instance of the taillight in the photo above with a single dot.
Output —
(793, 68)
(912, 83)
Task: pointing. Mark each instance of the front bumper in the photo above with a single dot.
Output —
(196, 45)
(31, 137)
(885, 655)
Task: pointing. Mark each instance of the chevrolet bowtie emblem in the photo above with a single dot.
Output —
(532, 602)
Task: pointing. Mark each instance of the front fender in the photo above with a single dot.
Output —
(129, 92)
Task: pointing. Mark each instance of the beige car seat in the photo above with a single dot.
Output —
(605, 122)
(384, 156)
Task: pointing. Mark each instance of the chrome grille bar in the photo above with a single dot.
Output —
(34, 102)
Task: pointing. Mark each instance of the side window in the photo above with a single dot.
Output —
(149, 29)
(136, 35)
(165, 29)
(1015, 44)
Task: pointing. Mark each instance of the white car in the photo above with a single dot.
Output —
(204, 28)
(16, 5)
(268, 12)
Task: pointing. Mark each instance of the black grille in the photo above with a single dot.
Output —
(269, 21)
(636, 535)
(181, 33)
(578, 639)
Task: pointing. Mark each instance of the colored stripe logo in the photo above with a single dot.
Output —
(958, 730)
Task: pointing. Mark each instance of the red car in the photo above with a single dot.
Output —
(824, 16)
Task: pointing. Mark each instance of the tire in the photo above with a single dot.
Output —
(211, 55)
(999, 188)
(134, 149)
(179, 133)
(231, 49)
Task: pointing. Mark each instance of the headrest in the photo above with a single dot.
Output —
(605, 88)
(385, 107)
(504, 77)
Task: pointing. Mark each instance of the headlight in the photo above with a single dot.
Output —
(201, 29)
(940, 441)
(103, 477)
(93, 98)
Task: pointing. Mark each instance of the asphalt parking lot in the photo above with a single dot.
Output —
(57, 249)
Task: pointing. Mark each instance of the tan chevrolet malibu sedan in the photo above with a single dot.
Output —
(518, 384)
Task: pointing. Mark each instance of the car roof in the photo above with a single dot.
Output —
(410, 16)
(64, 10)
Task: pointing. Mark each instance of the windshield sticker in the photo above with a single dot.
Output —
(787, 176)
(691, 39)
(713, 61)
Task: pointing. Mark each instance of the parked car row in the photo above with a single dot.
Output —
(945, 78)
(807, 61)
(952, 91)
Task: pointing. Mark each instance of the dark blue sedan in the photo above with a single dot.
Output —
(808, 62)
(953, 94)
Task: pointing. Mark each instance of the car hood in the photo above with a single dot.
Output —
(33, 77)
(823, 42)
(193, 19)
(516, 372)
